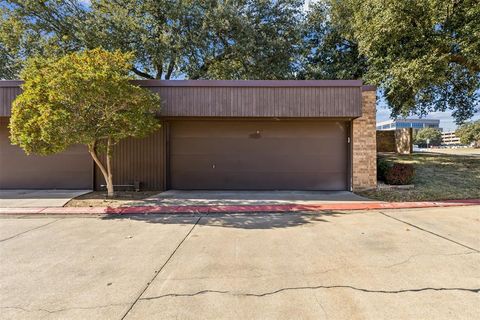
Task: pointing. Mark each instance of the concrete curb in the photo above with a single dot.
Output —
(237, 208)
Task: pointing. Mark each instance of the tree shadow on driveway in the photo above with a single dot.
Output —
(234, 220)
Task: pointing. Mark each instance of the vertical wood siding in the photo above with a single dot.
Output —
(296, 102)
(224, 99)
(139, 160)
(7, 95)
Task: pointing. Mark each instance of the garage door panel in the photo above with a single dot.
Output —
(263, 181)
(72, 169)
(258, 155)
(192, 146)
(270, 129)
(263, 163)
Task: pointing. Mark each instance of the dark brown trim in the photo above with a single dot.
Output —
(369, 88)
(166, 173)
(10, 83)
(233, 83)
(201, 118)
(350, 157)
(249, 83)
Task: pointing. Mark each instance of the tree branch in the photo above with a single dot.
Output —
(159, 71)
(470, 65)
(141, 73)
(170, 68)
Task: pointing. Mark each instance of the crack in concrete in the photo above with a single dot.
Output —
(255, 295)
(237, 294)
(428, 231)
(160, 269)
(65, 309)
(33, 229)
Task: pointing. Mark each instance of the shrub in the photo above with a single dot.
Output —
(382, 166)
(399, 174)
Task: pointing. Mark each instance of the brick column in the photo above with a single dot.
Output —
(364, 144)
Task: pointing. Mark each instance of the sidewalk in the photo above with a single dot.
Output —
(298, 207)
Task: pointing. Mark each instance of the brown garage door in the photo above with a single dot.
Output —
(258, 155)
(72, 169)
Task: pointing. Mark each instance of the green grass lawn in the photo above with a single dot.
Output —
(437, 177)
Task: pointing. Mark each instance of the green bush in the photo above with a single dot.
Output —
(382, 166)
(400, 174)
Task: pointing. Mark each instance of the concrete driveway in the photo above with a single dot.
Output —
(410, 264)
(37, 198)
(209, 197)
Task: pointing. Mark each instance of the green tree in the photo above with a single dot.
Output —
(469, 132)
(329, 48)
(81, 98)
(431, 135)
(32, 27)
(424, 55)
(242, 39)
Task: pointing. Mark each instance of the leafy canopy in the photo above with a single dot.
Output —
(80, 98)
(469, 132)
(241, 39)
(33, 27)
(434, 137)
(424, 55)
(329, 49)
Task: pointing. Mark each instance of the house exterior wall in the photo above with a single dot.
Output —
(364, 150)
(139, 159)
(146, 160)
(9, 90)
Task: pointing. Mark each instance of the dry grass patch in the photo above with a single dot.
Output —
(437, 177)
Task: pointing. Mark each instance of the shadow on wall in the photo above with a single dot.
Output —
(254, 221)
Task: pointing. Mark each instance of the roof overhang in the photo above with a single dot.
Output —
(242, 98)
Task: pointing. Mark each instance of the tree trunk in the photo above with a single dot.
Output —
(110, 191)
(106, 172)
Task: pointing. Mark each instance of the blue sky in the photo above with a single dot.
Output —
(446, 119)
(383, 113)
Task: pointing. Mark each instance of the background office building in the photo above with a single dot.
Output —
(409, 123)
(449, 138)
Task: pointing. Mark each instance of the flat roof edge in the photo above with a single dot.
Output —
(10, 83)
(250, 83)
(230, 83)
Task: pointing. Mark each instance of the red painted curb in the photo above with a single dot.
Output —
(239, 208)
